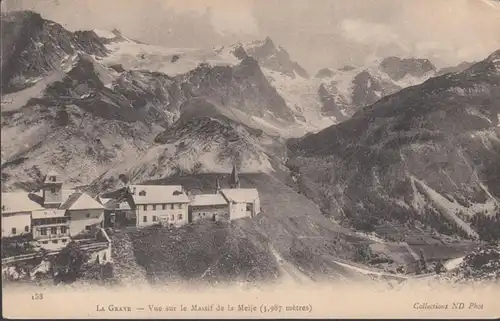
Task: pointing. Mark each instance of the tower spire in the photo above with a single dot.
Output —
(217, 186)
(234, 180)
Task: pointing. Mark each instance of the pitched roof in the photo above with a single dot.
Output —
(158, 194)
(15, 202)
(48, 214)
(81, 201)
(240, 195)
(207, 200)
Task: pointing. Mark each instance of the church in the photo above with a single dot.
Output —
(175, 206)
(226, 203)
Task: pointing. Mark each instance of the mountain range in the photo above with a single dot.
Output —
(400, 151)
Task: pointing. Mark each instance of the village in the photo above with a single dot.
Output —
(53, 217)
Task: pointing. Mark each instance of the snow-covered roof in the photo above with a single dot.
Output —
(81, 201)
(16, 202)
(241, 195)
(208, 200)
(48, 213)
(158, 194)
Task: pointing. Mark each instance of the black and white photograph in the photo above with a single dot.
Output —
(250, 158)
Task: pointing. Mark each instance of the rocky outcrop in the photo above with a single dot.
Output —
(398, 68)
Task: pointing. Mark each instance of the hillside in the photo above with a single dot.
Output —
(426, 157)
(290, 239)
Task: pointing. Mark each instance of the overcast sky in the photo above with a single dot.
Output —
(316, 33)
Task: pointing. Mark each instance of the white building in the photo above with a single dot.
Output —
(84, 213)
(51, 228)
(208, 207)
(243, 202)
(154, 204)
(16, 213)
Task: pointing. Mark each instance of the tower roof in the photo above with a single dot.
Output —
(234, 179)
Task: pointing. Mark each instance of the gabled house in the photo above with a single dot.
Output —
(159, 204)
(16, 210)
(243, 202)
(84, 213)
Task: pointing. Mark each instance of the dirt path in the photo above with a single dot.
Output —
(288, 271)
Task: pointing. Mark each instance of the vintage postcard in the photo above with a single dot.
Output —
(250, 159)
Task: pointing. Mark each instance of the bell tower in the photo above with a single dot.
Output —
(52, 190)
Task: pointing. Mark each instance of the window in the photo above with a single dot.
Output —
(172, 217)
(144, 219)
(154, 207)
(54, 242)
(164, 207)
(204, 214)
(179, 217)
(43, 231)
(88, 227)
(64, 240)
(14, 231)
(63, 229)
(154, 218)
(53, 190)
(171, 206)
(53, 230)
(53, 178)
(145, 207)
(45, 242)
(179, 206)
(26, 228)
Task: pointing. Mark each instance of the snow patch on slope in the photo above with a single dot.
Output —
(301, 96)
(106, 34)
(171, 61)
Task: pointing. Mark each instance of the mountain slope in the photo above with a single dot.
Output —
(347, 89)
(202, 141)
(427, 154)
(117, 111)
(271, 57)
(33, 47)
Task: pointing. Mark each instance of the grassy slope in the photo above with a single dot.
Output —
(290, 225)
